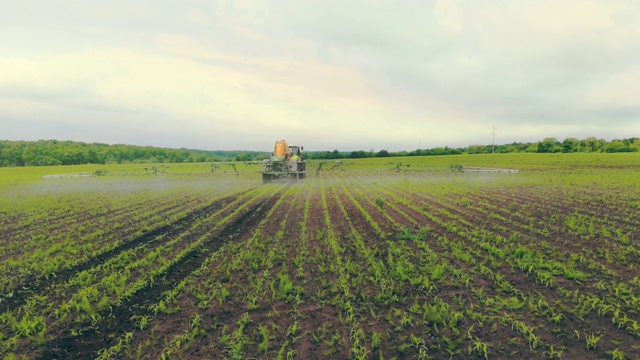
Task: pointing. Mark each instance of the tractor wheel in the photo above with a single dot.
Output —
(266, 178)
(303, 170)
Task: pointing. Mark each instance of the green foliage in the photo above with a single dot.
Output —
(54, 152)
(28, 325)
(480, 348)
(263, 346)
(375, 340)
(285, 287)
(592, 341)
(616, 354)
(438, 272)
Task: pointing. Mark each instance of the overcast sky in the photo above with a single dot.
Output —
(329, 74)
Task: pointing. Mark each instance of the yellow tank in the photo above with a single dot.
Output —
(281, 149)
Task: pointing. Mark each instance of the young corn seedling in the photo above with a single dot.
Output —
(142, 321)
(592, 341)
(553, 353)
(616, 354)
(264, 344)
(480, 348)
(375, 340)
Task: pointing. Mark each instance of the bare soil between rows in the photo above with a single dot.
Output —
(94, 337)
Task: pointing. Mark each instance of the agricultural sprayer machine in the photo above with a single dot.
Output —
(285, 163)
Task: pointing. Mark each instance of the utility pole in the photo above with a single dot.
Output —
(493, 140)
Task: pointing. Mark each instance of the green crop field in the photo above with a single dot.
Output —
(406, 258)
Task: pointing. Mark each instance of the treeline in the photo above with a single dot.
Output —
(548, 145)
(54, 152)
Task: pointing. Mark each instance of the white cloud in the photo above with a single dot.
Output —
(347, 75)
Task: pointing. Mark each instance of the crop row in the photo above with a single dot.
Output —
(415, 265)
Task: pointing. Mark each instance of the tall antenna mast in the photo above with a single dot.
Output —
(493, 140)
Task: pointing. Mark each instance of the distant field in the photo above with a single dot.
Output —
(373, 258)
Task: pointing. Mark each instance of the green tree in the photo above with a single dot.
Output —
(358, 154)
(618, 146)
(570, 144)
(589, 144)
(477, 149)
(244, 157)
(549, 145)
